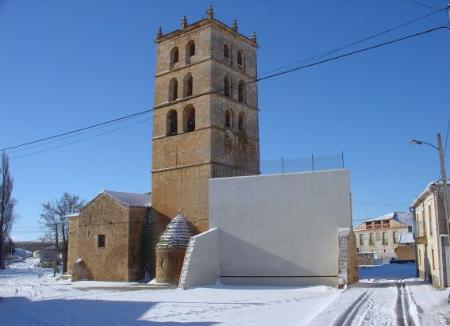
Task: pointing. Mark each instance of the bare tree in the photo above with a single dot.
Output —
(7, 204)
(55, 223)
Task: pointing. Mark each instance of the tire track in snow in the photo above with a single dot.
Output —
(359, 308)
(403, 308)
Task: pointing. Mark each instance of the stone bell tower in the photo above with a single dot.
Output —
(205, 118)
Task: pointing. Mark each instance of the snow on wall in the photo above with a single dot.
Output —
(200, 261)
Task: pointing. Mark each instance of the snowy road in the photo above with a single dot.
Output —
(387, 295)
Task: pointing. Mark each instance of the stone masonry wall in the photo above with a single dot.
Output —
(348, 269)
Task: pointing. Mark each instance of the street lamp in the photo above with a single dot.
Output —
(443, 177)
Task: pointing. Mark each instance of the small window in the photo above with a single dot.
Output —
(174, 55)
(385, 238)
(226, 86)
(173, 89)
(190, 51)
(228, 119)
(172, 123)
(361, 239)
(241, 91)
(240, 58)
(226, 51)
(241, 122)
(395, 236)
(188, 85)
(429, 221)
(101, 243)
(189, 119)
(371, 240)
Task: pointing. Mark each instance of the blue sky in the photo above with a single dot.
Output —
(67, 64)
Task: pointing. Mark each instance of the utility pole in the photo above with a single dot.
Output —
(443, 178)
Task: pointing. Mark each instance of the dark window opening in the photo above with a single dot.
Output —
(172, 123)
(226, 86)
(188, 85)
(173, 90)
(174, 56)
(101, 243)
(240, 58)
(228, 119)
(241, 91)
(241, 123)
(226, 51)
(189, 119)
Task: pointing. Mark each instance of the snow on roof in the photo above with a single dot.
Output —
(130, 199)
(428, 189)
(380, 218)
(72, 215)
(406, 238)
(402, 217)
(176, 235)
(405, 218)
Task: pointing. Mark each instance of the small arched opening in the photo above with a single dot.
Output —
(173, 89)
(171, 123)
(188, 85)
(189, 118)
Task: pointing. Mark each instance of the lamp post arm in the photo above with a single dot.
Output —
(434, 146)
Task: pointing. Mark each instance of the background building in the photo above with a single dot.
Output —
(380, 236)
(430, 233)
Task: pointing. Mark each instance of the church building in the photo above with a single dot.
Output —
(205, 125)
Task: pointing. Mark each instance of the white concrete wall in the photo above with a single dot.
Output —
(280, 229)
(200, 266)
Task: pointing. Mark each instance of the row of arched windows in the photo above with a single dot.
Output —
(175, 54)
(188, 121)
(188, 87)
(239, 56)
(227, 89)
(229, 118)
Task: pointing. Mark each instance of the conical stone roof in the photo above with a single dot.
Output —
(176, 235)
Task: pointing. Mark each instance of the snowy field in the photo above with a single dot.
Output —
(387, 295)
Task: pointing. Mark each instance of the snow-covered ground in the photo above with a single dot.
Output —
(387, 295)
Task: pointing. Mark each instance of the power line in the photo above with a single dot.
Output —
(79, 140)
(417, 2)
(77, 130)
(351, 53)
(43, 143)
(446, 137)
(233, 86)
(351, 44)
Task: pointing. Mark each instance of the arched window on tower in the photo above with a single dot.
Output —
(174, 56)
(228, 119)
(171, 123)
(173, 89)
(190, 51)
(189, 118)
(188, 85)
(226, 51)
(241, 91)
(241, 122)
(226, 86)
(240, 58)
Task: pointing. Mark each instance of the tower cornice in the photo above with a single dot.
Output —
(161, 37)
